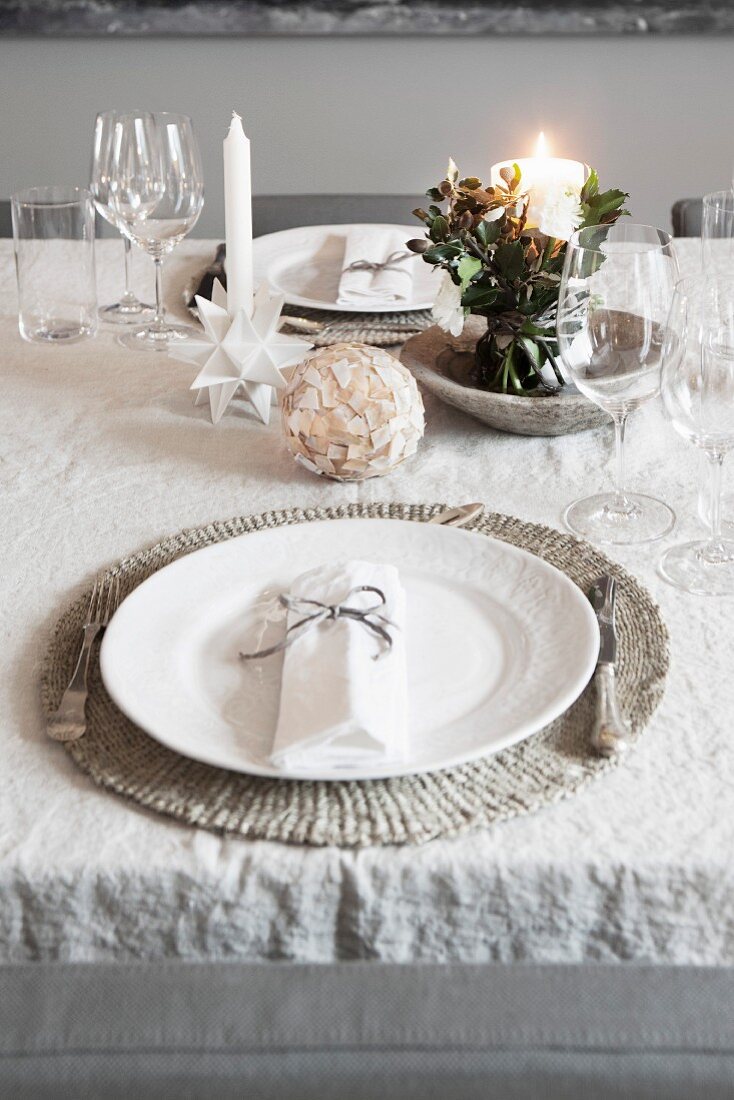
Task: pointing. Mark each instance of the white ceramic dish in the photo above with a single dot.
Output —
(305, 265)
(499, 643)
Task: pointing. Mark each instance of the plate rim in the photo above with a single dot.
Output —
(336, 307)
(527, 729)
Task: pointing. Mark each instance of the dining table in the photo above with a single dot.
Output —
(103, 452)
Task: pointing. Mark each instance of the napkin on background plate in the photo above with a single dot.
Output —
(365, 288)
(339, 706)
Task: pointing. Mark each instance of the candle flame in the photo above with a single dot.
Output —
(541, 146)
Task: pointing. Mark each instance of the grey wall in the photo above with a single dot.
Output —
(654, 115)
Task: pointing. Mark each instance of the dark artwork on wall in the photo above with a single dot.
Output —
(364, 17)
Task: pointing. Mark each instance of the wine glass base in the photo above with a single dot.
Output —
(598, 518)
(156, 339)
(127, 313)
(691, 567)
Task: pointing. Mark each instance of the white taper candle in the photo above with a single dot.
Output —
(238, 218)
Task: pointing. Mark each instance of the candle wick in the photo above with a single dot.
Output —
(235, 115)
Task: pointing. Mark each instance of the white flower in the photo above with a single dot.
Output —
(448, 312)
(561, 214)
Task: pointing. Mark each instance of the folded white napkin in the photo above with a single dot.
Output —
(364, 287)
(339, 706)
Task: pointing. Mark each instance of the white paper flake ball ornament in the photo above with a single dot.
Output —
(351, 411)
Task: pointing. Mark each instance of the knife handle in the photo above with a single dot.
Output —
(610, 734)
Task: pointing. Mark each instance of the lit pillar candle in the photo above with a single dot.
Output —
(541, 174)
(238, 218)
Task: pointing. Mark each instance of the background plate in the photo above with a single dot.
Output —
(306, 263)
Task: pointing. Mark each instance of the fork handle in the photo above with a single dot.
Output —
(610, 735)
(67, 724)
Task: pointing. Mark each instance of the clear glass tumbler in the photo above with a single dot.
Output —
(53, 233)
(717, 233)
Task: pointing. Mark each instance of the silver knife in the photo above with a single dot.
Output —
(610, 735)
(457, 517)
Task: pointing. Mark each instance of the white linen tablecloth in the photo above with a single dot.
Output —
(102, 452)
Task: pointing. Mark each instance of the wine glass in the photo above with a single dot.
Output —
(157, 193)
(617, 285)
(717, 256)
(698, 396)
(129, 309)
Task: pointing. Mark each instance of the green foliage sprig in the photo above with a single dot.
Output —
(505, 271)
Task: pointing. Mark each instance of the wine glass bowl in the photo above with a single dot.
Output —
(181, 195)
(129, 309)
(137, 181)
(616, 288)
(622, 370)
(698, 398)
(158, 194)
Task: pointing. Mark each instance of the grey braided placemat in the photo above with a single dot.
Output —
(382, 330)
(545, 768)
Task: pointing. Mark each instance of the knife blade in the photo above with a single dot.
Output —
(610, 733)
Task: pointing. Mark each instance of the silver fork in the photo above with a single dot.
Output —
(68, 723)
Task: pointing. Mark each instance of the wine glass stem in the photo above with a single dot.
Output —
(621, 502)
(129, 296)
(160, 318)
(715, 550)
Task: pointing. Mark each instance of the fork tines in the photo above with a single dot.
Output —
(104, 600)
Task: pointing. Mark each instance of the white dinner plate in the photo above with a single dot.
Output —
(305, 265)
(499, 643)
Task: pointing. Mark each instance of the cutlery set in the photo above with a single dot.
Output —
(610, 732)
(68, 723)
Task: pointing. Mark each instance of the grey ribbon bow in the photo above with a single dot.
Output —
(314, 612)
(390, 264)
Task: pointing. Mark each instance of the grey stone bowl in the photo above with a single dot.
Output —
(442, 364)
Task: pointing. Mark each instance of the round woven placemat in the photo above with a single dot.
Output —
(550, 766)
(382, 330)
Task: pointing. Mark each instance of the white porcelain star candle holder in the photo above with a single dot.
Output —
(240, 351)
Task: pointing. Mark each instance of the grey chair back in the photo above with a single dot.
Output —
(271, 213)
(687, 216)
